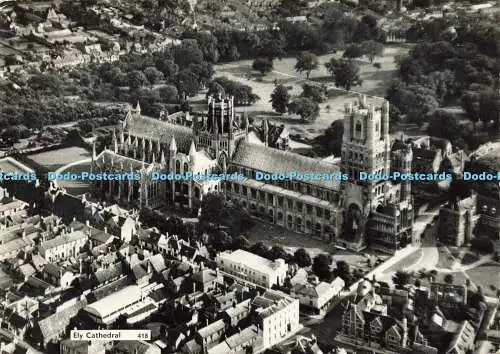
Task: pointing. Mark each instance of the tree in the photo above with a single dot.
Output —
(272, 47)
(136, 79)
(306, 108)
(416, 101)
(212, 208)
(445, 125)
(402, 278)
(448, 279)
(278, 252)
(153, 75)
(168, 93)
(343, 271)
(187, 82)
(372, 49)
(302, 258)
(321, 266)
(367, 29)
(168, 67)
(260, 249)
(330, 142)
(188, 52)
(262, 65)
(345, 73)
(243, 94)
(306, 61)
(280, 98)
(220, 241)
(353, 51)
(240, 243)
(316, 93)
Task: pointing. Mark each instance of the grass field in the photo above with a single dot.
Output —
(485, 276)
(76, 187)
(375, 83)
(446, 260)
(56, 159)
(406, 262)
(274, 235)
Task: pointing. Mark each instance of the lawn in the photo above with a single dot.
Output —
(446, 260)
(275, 235)
(485, 276)
(55, 159)
(375, 83)
(406, 262)
(76, 187)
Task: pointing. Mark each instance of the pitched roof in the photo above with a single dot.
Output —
(107, 156)
(61, 240)
(270, 160)
(146, 127)
(249, 260)
(212, 328)
(57, 323)
(117, 300)
(158, 262)
(204, 276)
(135, 347)
(27, 270)
(232, 343)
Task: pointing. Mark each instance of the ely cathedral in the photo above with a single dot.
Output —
(353, 214)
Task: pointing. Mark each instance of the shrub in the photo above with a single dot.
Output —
(377, 65)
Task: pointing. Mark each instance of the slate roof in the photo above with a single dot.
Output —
(52, 269)
(27, 270)
(134, 346)
(61, 240)
(235, 341)
(204, 276)
(212, 328)
(146, 127)
(57, 323)
(106, 156)
(158, 263)
(266, 159)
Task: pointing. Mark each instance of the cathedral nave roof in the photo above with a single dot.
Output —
(146, 127)
(266, 159)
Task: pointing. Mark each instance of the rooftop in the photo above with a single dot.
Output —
(121, 298)
(61, 240)
(266, 159)
(249, 260)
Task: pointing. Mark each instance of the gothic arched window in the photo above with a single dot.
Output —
(177, 166)
(186, 167)
(358, 129)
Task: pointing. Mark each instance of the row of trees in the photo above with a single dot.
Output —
(334, 30)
